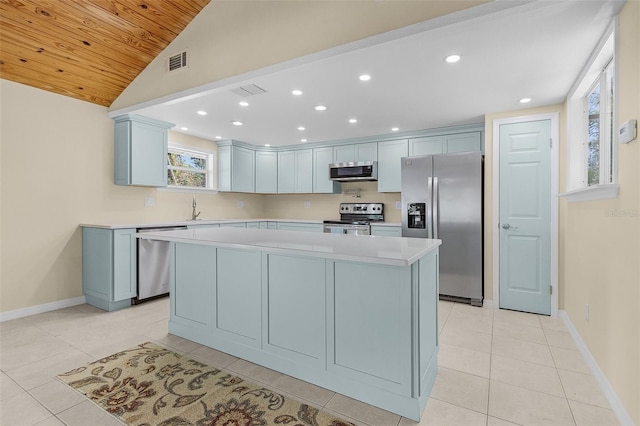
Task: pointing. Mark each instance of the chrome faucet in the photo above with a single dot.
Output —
(194, 215)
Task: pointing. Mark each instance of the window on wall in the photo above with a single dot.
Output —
(598, 112)
(591, 107)
(187, 168)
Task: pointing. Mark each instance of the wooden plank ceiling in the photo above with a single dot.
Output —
(87, 49)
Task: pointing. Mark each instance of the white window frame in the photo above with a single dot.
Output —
(210, 171)
(577, 121)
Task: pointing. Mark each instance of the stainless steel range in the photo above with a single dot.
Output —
(355, 218)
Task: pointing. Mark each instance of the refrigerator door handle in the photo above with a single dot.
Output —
(436, 208)
(429, 207)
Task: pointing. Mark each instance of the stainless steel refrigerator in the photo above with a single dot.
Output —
(442, 199)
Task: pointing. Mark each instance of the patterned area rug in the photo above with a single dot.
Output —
(151, 385)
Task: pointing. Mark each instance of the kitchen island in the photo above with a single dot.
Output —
(353, 314)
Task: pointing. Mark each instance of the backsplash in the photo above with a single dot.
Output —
(325, 206)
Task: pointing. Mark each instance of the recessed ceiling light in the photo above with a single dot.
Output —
(218, 137)
(243, 103)
(201, 112)
(303, 140)
(365, 77)
(267, 144)
(525, 100)
(353, 120)
(320, 107)
(395, 129)
(237, 123)
(301, 128)
(452, 58)
(296, 92)
(184, 128)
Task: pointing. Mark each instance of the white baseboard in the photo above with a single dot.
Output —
(488, 303)
(609, 393)
(38, 309)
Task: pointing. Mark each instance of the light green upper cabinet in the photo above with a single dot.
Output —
(304, 171)
(463, 142)
(445, 144)
(425, 146)
(389, 155)
(266, 172)
(322, 157)
(236, 168)
(356, 152)
(140, 156)
(286, 171)
(295, 171)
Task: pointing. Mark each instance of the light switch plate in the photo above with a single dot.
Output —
(149, 202)
(307, 204)
(240, 204)
(398, 205)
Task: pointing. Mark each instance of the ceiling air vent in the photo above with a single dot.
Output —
(248, 90)
(177, 62)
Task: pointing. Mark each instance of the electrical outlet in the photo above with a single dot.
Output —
(398, 205)
(240, 204)
(307, 204)
(149, 202)
(586, 312)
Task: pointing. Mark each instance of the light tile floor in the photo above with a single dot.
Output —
(496, 368)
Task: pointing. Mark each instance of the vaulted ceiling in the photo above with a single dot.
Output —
(87, 49)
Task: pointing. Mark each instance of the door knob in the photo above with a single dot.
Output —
(507, 226)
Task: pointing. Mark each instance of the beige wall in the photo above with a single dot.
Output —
(56, 157)
(56, 173)
(602, 245)
(325, 206)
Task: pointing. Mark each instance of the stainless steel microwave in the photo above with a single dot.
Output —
(354, 171)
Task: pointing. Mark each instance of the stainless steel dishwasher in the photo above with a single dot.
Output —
(153, 265)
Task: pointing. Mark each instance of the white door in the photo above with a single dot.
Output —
(525, 216)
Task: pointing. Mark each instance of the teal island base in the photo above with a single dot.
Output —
(363, 329)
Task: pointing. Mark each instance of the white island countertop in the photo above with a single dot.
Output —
(396, 251)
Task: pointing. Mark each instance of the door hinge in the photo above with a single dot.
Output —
(550, 143)
(550, 289)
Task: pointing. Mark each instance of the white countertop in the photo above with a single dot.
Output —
(140, 225)
(396, 251)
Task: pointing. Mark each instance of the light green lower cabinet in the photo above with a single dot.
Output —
(201, 226)
(300, 226)
(191, 305)
(109, 275)
(370, 322)
(233, 225)
(253, 225)
(294, 326)
(365, 330)
(268, 225)
(386, 231)
(237, 312)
